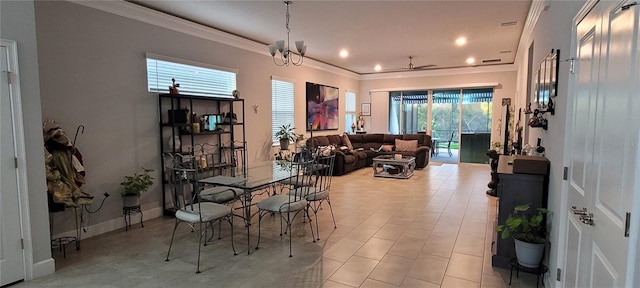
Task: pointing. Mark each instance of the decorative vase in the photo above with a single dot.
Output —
(529, 254)
(130, 201)
(174, 141)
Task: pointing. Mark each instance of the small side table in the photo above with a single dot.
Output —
(126, 213)
(541, 270)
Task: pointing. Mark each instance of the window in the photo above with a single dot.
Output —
(350, 110)
(194, 78)
(282, 107)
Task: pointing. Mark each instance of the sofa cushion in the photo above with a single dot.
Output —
(406, 145)
(321, 141)
(390, 139)
(335, 140)
(419, 137)
(346, 141)
(386, 148)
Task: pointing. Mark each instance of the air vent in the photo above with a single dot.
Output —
(491, 60)
(505, 51)
(508, 23)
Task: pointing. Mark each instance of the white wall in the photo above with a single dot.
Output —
(93, 72)
(552, 31)
(18, 23)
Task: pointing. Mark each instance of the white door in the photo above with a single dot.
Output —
(11, 252)
(604, 140)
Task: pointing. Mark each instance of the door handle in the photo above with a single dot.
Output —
(587, 219)
(577, 211)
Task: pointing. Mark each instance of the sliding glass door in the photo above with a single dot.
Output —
(450, 116)
(408, 112)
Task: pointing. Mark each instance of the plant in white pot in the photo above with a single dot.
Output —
(134, 186)
(528, 231)
(286, 135)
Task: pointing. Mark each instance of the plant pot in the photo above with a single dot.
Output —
(284, 144)
(130, 201)
(528, 254)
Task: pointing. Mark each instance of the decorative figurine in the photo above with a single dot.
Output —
(236, 94)
(353, 127)
(173, 89)
(360, 122)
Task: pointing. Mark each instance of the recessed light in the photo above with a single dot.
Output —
(461, 41)
(344, 53)
(471, 60)
(378, 67)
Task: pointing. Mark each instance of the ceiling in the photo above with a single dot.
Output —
(374, 32)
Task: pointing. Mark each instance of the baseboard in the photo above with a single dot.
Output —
(43, 268)
(111, 225)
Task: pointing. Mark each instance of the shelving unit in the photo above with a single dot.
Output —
(174, 124)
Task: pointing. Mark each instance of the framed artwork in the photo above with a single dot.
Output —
(366, 109)
(322, 107)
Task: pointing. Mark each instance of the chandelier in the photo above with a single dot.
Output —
(286, 57)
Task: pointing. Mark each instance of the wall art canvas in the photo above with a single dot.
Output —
(322, 107)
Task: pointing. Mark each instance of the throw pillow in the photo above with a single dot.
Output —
(386, 148)
(346, 141)
(406, 145)
(326, 150)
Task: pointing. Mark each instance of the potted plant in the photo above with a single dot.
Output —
(286, 135)
(528, 231)
(134, 186)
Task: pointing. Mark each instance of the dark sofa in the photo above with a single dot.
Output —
(366, 147)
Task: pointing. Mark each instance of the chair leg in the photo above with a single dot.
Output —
(259, 221)
(332, 217)
(289, 227)
(173, 234)
(233, 246)
(200, 234)
(306, 212)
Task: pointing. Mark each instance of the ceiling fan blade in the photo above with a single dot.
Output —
(422, 67)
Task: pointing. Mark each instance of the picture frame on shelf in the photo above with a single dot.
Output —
(365, 108)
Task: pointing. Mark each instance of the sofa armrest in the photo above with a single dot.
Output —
(422, 156)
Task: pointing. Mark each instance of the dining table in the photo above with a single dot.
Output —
(255, 179)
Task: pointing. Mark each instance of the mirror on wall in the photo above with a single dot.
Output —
(546, 85)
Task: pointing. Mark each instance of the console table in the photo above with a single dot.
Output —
(515, 189)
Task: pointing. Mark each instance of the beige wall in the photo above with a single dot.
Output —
(93, 73)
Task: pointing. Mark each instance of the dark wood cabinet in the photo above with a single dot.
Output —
(515, 189)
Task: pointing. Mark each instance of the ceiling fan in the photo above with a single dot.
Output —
(411, 67)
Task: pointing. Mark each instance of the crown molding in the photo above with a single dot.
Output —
(156, 18)
(441, 72)
(537, 6)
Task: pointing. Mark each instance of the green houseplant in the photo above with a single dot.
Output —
(528, 231)
(286, 135)
(133, 186)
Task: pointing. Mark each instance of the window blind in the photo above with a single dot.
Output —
(193, 80)
(282, 105)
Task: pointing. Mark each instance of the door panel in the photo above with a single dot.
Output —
(605, 121)
(582, 140)
(11, 253)
(574, 235)
(616, 142)
(603, 273)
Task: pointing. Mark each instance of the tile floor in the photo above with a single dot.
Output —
(433, 230)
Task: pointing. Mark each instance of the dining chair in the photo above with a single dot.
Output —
(447, 144)
(288, 205)
(319, 193)
(189, 206)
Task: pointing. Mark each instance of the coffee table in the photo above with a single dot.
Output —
(389, 167)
